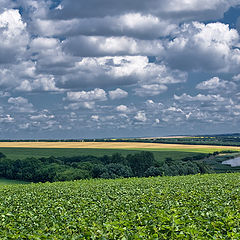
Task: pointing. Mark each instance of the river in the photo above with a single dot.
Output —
(235, 162)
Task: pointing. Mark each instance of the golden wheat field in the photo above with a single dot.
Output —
(110, 145)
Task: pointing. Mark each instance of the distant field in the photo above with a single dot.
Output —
(116, 145)
(21, 153)
(4, 181)
(20, 150)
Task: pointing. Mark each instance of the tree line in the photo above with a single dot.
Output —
(142, 164)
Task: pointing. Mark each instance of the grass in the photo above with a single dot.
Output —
(190, 207)
(161, 154)
(4, 181)
(186, 150)
(20, 150)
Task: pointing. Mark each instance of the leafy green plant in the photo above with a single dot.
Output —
(183, 207)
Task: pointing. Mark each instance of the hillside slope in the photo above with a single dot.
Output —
(191, 207)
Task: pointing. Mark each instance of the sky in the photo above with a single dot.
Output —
(111, 69)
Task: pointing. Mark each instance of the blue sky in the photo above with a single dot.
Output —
(95, 69)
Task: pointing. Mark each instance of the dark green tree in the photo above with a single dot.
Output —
(140, 162)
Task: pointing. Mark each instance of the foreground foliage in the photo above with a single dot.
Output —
(190, 207)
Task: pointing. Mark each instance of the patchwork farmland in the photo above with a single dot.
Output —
(180, 207)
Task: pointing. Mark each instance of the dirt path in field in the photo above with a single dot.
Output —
(109, 145)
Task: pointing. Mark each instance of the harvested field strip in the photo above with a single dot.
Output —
(114, 145)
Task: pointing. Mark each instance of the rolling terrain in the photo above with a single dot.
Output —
(189, 207)
(181, 207)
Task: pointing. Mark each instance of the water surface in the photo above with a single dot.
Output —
(235, 162)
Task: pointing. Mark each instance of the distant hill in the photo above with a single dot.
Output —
(221, 135)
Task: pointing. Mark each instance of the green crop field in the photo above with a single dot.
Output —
(161, 154)
(4, 181)
(190, 207)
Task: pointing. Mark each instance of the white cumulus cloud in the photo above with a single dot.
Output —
(199, 97)
(207, 47)
(141, 116)
(94, 95)
(215, 84)
(13, 36)
(117, 94)
(122, 108)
